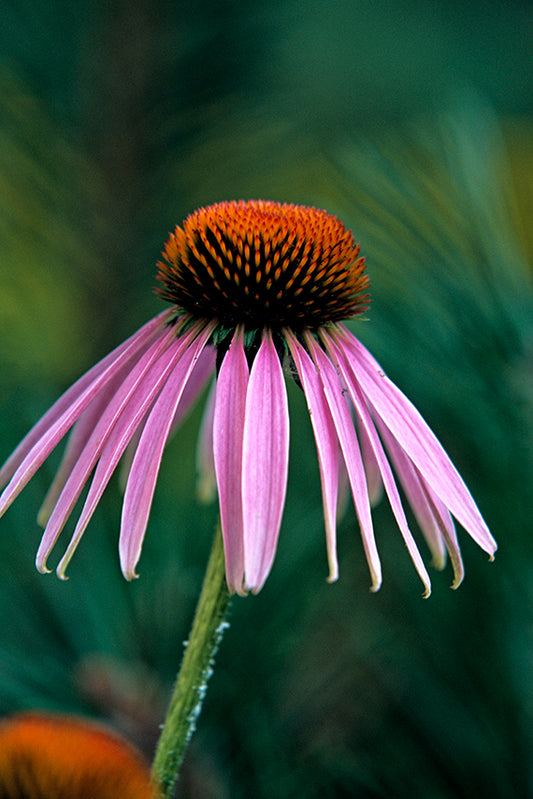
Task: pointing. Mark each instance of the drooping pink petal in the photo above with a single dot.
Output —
(431, 514)
(372, 472)
(265, 462)
(412, 486)
(447, 528)
(344, 491)
(374, 483)
(78, 438)
(228, 431)
(416, 439)
(145, 467)
(326, 443)
(107, 365)
(91, 452)
(206, 484)
(352, 454)
(121, 434)
(197, 381)
(70, 411)
(342, 363)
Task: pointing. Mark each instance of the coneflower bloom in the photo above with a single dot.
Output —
(64, 757)
(258, 291)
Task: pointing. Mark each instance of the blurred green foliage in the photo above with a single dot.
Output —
(411, 121)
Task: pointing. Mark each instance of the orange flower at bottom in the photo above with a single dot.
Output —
(63, 757)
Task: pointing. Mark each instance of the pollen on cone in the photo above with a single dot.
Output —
(60, 757)
(264, 265)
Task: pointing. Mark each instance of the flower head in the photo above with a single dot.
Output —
(55, 757)
(257, 289)
(263, 265)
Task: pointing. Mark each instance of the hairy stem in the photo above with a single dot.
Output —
(196, 667)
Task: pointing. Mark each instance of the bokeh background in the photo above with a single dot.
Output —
(413, 122)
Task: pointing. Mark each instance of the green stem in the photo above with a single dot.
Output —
(185, 705)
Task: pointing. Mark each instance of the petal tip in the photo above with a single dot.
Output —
(438, 562)
(62, 566)
(130, 573)
(206, 491)
(43, 516)
(42, 568)
(252, 588)
(235, 586)
(333, 566)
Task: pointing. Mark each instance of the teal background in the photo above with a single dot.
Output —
(411, 121)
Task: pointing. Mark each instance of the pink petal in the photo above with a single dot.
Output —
(206, 485)
(372, 472)
(131, 346)
(228, 431)
(416, 439)
(91, 452)
(344, 493)
(78, 438)
(60, 421)
(341, 362)
(431, 514)
(120, 436)
(199, 377)
(145, 467)
(326, 444)
(352, 455)
(265, 462)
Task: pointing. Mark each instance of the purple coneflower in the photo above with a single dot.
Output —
(54, 756)
(258, 289)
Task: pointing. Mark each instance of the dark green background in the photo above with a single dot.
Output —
(410, 120)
